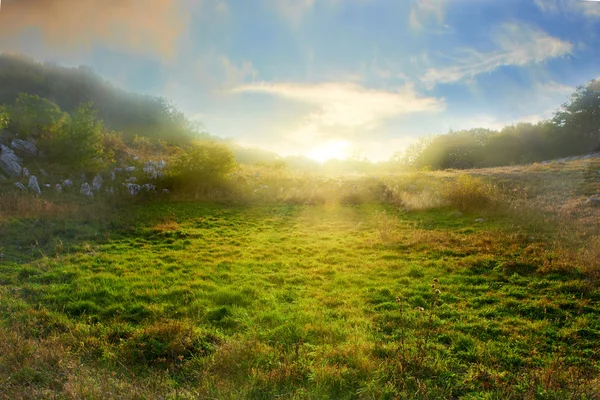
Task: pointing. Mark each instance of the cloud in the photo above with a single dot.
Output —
(517, 45)
(291, 10)
(587, 8)
(145, 26)
(424, 12)
(349, 104)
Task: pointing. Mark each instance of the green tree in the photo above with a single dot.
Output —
(202, 166)
(79, 144)
(33, 116)
(579, 121)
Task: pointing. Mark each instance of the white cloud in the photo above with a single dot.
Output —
(517, 44)
(423, 12)
(587, 8)
(291, 10)
(349, 104)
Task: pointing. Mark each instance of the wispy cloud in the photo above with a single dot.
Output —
(146, 26)
(590, 8)
(349, 104)
(424, 12)
(516, 44)
(292, 10)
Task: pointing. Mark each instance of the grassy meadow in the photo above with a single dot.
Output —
(423, 285)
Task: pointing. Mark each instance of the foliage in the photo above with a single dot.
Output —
(468, 193)
(202, 165)
(33, 116)
(68, 88)
(79, 142)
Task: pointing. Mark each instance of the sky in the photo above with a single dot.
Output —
(325, 78)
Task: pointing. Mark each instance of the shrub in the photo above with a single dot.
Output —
(469, 193)
(202, 166)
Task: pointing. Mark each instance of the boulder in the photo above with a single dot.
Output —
(33, 184)
(25, 147)
(20, 186)
(594, 200)
(154, 169)
(86, 190)
(10, 163)
(149, 188)
(58, 188)
(133, 188)
(97, 182)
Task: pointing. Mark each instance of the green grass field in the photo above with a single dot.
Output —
(192, 300)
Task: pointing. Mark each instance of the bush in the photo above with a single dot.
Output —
(469, 193)
(202, 166)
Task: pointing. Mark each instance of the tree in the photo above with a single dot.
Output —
(33, 116)
(79, 144)
(579, 121)
(202, 166)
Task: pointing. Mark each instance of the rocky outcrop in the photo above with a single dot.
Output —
(154, 169)
(33, 184)
(86, 190)
(133, 188)
(25, 147)
(10, 163)
(97, 182)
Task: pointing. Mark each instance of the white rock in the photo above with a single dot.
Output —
(10, 163)
(97, 182)
(133, 188)
(149, 188)
(130, 169)
(33, 184)
(43, 172)
(131, 179)
(47, 185)
(58, 188)
(25, 172)
(86, 190)
(67, 183)
(20, 186)
(24, 146)
(165, 190)
(109, 190)
(118, 169)
(480, 220)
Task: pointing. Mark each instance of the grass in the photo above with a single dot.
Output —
(357, 299)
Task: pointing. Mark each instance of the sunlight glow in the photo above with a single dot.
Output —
(331, 149)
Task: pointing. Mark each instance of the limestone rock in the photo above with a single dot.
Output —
(68, 183)
(10, 163)
(97, 182)
(134, 189)
(26, 147)
(149, 188)
(20, 186)
(86, 190)
(33, 184)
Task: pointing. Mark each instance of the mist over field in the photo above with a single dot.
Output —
(299, 199)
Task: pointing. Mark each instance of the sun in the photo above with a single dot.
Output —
(330, 149)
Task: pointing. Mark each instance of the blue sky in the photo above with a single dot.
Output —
(325, 78)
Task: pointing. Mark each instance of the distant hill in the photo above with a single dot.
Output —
(126, 112)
